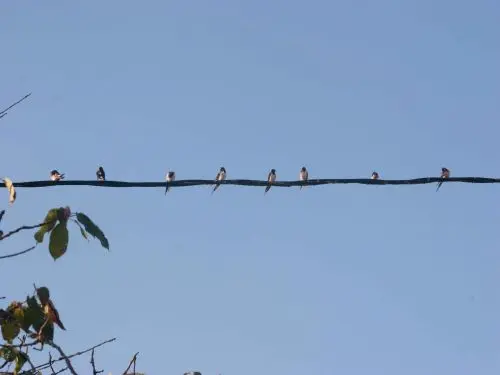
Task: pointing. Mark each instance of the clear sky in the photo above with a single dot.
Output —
(352, 279)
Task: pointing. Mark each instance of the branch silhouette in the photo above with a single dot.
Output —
(3, 112)
(260, 183)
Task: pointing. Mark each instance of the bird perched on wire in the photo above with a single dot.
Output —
(221, 175)
(56, 176)
(101, 175)
(303, 175)
(271, 178)
(445, 173)
(169, 178)
(375, 176)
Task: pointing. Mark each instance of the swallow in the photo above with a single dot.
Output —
(101, 175)
(271, 177)
(169, 178)
(221, 175)
(303, 175)
(375, 176)
(445, 173)
(56, 176)
(52, 313)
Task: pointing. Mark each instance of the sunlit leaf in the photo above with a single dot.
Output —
(92, 229)
(10, 330)
(50, 220)
(21, 359)
(59, 238)
(10, 187)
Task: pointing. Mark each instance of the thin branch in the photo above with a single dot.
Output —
(4, 111)
(18, 253)
(24, 227)
(64, 356)
(46, 365)
(261, 183)
(132, 362)
(92, 362)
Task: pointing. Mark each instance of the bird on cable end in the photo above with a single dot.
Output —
(101, 175)
(56, 176)
(221, 175)
(303, 175)
(169, 178)
(375, 176)
(271, 178)
(445, 173)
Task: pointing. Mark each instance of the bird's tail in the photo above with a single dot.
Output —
(62, 175)
(215, 188)
(60, 324)
(267, 188)
(167, 188)
(439, 185)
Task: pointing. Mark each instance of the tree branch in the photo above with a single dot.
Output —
(4, 111)
(18, 253)
(132, 362)
(64, 356)
(92, 362)
(24, 227)
(47, 365)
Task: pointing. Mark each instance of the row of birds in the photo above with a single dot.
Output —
(222, 174)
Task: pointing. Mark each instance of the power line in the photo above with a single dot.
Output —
(254, 183)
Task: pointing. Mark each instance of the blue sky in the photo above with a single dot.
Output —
(349, 280)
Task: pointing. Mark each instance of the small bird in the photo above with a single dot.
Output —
(56, 176)
(271, 177)
(101, 175)
(221, 175)
(375, 176)
(51, 311)
(303, 175)
(445, 173)
(169, 178)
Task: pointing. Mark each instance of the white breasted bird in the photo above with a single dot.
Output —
(271, 178)
(169, 178)
(303, 175)
(221, 175)
(375, 176)
(101, 175)
(445, 173)
(55, 175)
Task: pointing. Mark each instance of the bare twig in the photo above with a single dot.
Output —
(50, 364)
(4, 111)
(2, 297)
(64, 356)
(92, 362)
(132, 362)
(46, 365)
(18, 253)
(24, 227)
(261, 183)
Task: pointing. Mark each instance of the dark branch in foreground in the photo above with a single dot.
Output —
(311, 182)
(18, 253)
(48, 364)
(4, 111)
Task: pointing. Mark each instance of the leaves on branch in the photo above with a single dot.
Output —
(50, 222)
(59, 238)
(92, 229)
(10, 187)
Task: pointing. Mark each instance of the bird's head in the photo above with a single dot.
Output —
(222, 169)
(273, 171)
(303, 169)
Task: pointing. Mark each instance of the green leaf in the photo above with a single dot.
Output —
(92, 229)
(7, 353)
(10, 331)
(35, 314)
(21, 359)
(59, 238)
(50, 220)
(82, 231)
